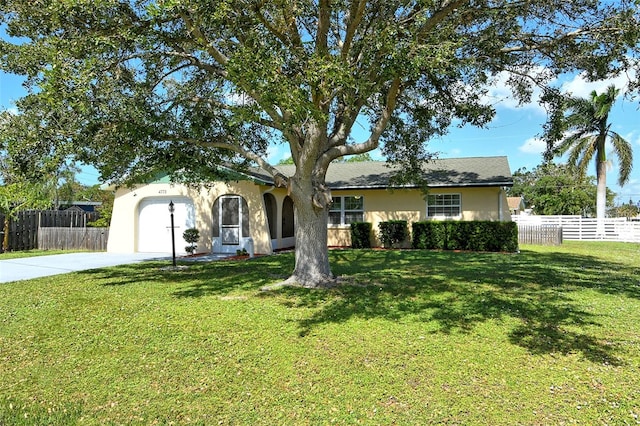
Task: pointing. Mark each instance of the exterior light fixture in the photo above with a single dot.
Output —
(173, 236)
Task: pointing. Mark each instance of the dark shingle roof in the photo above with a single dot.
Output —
(446, 172)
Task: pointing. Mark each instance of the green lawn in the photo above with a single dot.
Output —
(547, 336)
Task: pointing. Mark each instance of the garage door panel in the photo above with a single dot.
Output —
(154, 224)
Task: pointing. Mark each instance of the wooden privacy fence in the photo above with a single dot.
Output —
(92, 239)
(65, 218)
(586, 229)
(540, 234)
(24, 229)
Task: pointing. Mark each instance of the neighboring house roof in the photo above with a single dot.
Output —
(446, 172)
(515, 203)
(84, 206)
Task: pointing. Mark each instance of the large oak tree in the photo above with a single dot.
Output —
(141, 85)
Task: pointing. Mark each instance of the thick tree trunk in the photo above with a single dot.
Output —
(312, 267)
(311, 200)
(601, 196)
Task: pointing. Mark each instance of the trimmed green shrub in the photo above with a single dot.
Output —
(393, 232)
(471, 235)
(361, 235)
(428, 235)
(191, 236)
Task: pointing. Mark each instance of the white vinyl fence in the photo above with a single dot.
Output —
(586, 229)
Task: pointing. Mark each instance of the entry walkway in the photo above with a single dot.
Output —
(43, 266)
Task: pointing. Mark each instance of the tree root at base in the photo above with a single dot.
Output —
(323, 282)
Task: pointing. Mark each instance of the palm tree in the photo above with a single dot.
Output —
(586, 121)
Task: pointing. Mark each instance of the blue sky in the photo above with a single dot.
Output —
(512, 133)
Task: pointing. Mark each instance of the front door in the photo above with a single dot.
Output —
(230, 224)
(230, 221)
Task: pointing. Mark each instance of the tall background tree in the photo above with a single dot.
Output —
(18, 196)
(134, 86)
(35, 176)
(23, 183)
(556, 189)
(582, 132)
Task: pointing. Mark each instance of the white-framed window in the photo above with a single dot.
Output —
(444, 205)
(346, 210)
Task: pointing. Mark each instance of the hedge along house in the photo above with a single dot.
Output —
(251, 213)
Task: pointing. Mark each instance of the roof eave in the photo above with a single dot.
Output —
(246, 175)
(442, 185)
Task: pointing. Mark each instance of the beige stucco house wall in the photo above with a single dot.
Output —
(251, 213)
(478, 203)
(124, 236)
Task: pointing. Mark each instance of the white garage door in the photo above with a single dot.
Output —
(154, 224)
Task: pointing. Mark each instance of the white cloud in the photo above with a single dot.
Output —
(578, 86)
(633, 137)
(12, 110)
(500, 94)
(533, 146)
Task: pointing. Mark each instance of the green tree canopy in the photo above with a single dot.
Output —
(552, 189)
(134, 86)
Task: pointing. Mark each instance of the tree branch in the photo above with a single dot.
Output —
(529, 44)
(322, 35)
(223, 60)
(356, 13)
(344, 123)
(273, 30)
(227, 107)
(290, 21)
(441, 14)
(198, 63)
(210, 48)
(372, 143)
(249, 155)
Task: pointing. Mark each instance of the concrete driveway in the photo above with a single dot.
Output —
(43, 266)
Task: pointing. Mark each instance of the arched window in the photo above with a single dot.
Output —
(288, 225)
(272, 213)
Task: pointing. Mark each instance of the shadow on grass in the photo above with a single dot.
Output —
(195, 279)
(456, 291)
(453, 292)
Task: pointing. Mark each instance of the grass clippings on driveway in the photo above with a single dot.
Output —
(547, 336)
